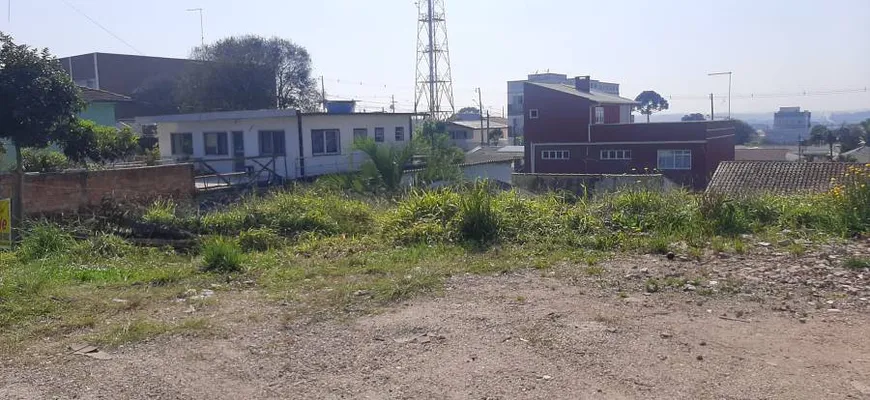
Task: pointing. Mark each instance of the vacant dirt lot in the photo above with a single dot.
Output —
(741, 329)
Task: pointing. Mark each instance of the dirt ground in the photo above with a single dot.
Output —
(549, 334)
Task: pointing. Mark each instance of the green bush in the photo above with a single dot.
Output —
(161, 212)
(259, 239)
(478, 220)
(44, 240)
(43, 160)
(651, 211)
(108, 246)
(220, 254)
(424, 217)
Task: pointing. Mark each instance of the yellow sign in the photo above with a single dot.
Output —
(5, 224)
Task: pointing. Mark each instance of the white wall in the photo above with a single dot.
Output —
(500, 171)
(348, 160)
(251, 128)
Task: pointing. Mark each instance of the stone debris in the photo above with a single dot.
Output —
(81, 349)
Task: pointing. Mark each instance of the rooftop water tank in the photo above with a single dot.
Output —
(340, 106)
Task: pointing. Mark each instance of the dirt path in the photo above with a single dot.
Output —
(523, 336)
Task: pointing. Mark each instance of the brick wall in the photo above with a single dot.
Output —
(71, 191)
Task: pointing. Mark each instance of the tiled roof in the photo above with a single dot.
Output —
(861, 154)
(593, 95)
(779, 177)
(101, 96)
(763, 155)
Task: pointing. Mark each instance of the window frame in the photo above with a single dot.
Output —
(400, 133)
(683, 154)
(534, 113)
(556, 155)
(272, 134)
(615, 154)
(221, 139)
(173, 148)
(323, 134)
(379, 135)
(599, 115)
(357, 131)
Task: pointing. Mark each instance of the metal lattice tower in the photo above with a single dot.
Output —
(434, 87)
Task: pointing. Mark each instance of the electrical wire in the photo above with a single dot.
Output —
(82, 13)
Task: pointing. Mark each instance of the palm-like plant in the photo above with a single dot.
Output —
(386, 164)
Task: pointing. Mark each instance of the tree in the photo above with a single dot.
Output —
(219, 86)
(650, 102)
(694, 117)
(469, 110)
(442, 157)
(38, 100)
(87, 141)
(850, 137)
(831, 139)
(158, 96)
(494, 136)
(819, 134)
(289, 64)
(743, 132)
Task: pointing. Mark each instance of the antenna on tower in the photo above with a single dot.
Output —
(434, 84)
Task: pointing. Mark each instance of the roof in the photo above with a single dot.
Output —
(476, 124)
(486, 155)
(101, 96)
(777, 177)
(593, 95)
(250, 114)
(749, 154)
(861, 154)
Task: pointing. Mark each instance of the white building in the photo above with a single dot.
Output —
(292, 144)
(515, 95)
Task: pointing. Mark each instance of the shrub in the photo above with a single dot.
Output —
(852, 197)
(44, 240)
(424, 217)
(258, 239)
(43, 160)
(161, 212)
(220, 254)
(650, 211)
(108, 246)
(477, 218)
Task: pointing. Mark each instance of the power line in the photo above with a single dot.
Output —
(752, 96)
(101, 26)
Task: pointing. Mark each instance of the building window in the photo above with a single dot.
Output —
(182, 144)
(215, 143)
(272, 143)
(400, 133)
(325, 142)
(555, 154)
(459, 135)
(599, 115)
(379, 135)
(616, 154)
(360, 133)
(533, 113)
(675, 159)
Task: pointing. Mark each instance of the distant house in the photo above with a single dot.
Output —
(578, 130)
(469, 134)
(490, 163)
(292, 144)
(101, 105)
(790, 125)
(861, 154)
(776, 177)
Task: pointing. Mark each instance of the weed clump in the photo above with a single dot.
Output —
(259, 239)
(44, 240)
(220, 254)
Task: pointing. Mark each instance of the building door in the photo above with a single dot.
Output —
(239, 151)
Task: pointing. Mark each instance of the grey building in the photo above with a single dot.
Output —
(790, 125)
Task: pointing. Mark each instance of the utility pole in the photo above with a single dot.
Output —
(393, 104)
(712, 116)
(480, 111)
(487, 126)
(323, 92)
(201, 25)
(18, 206)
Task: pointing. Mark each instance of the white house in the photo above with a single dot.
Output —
(292, 144)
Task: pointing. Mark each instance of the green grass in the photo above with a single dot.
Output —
(220, 254)
(137, 330)
(857, 262)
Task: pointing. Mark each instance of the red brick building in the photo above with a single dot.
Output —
(577, 130)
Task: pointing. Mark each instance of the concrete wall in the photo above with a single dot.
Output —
(72, 191)
(581, 184)
(101, 113)
(349, 160)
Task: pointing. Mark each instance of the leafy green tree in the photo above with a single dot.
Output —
(831, 139)
(441, 156)
(38, 101)
(87, 141)
(220, 86)
(493, 136)
(850, 137)
(694, 117)
(159, 96)
(818, 134)
(650, 102)
(386, 164)
(289, 65)
(43, 160)
(743, 132)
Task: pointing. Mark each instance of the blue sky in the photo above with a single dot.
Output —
(366, 49)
